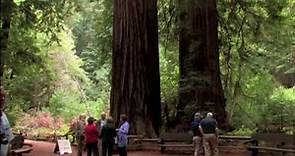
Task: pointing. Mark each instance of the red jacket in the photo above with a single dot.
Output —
(91, 133)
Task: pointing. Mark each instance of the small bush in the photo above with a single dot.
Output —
(243, 131)
(40, 120)
(41, 125)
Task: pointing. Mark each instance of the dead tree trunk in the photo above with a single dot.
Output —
(200, 83)
(135, 67)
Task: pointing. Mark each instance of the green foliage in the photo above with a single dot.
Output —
(69, 98)
(92, 30)
(270, 108)
(41, 125)
(280, 111)
(256, 38)
(243, 131)
(169, 63)
(28, 75)
(42, 74)
(68, 106)
(28, 72)
(64, 104)
(14, 114)
(247, 108)
(169, 78)
(42, 16)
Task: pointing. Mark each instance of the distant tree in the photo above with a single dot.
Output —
(27, 30)
(200, 83)
(135, 67)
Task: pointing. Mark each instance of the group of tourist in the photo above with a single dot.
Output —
(205, 135)
(99, 136)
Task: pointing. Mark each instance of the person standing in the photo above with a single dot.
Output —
(79, 132)
(91, 137)
(6, 135)
(107, 135)
(99, 124)
(122, 133)
(5, 131)
(102, 120)
(197, 135)
(209, 130)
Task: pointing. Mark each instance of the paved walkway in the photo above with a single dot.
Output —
(41, 148)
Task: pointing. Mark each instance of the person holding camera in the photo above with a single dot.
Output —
(5, 131)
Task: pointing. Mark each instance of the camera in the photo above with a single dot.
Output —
(3, 139)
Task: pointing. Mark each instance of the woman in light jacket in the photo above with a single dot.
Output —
(122, 133)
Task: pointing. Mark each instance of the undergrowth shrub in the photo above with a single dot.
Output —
(41, 125)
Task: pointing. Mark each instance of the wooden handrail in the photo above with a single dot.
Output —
(234, 137)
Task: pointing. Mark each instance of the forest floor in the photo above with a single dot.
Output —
(41, 148)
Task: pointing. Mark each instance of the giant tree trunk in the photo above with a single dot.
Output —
(135, 67)
(6, 11)
(200, 83)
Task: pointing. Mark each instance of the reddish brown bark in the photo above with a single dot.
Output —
(200, 83)
(135, 66)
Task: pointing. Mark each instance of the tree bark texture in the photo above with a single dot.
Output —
(135, 67)
(200, 84)
(6, 11)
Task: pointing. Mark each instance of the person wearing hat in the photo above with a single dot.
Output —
(209, 130)
(197, 135)
(91, 137)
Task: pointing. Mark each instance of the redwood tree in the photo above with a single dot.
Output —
(135, 65)
(200, 83)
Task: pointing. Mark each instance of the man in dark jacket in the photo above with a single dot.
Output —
(197, 135)
(108, 134)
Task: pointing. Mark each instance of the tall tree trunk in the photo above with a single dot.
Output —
(6, 11)
(135, 67)
(200, 83)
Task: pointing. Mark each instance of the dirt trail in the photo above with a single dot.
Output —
(41, 148)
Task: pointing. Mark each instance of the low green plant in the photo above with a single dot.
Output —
(243, 131)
